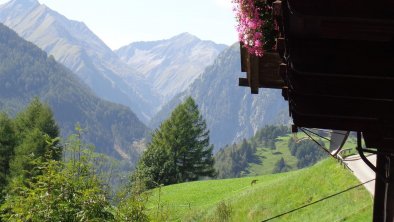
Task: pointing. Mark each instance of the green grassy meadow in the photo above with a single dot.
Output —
(271, 195)
(268, 157)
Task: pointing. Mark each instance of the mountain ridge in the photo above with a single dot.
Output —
(73, 44)
(27, 72)
(171, 64)
(231, 112)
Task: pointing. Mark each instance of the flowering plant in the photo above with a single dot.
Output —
(255, 27)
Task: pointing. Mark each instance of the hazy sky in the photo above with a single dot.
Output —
(120, 22)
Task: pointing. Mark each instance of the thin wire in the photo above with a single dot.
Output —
(331, 131)
(325, 198)
(326, 150)
(329, 153)
(316, 134)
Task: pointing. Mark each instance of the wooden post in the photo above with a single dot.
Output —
(253, 71)
(383, 210)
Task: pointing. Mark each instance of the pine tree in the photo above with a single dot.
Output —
(180, 149)
(36, 127)
(7, 145)
(37, 115)
(280, 166)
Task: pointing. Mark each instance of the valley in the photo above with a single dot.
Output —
(151, 78)
(155, 130)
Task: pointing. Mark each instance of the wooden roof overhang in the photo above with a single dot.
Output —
(336, 68)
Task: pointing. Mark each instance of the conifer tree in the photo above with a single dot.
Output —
(35, 126)
(179, 150)
(280, 166)
(7, 144)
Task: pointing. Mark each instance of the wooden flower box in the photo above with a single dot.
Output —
(261, 72)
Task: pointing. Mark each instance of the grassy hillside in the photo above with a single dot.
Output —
(261, 154)
(270, 196)
(268, 157)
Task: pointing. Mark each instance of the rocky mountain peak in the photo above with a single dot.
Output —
(171, 65)
(78, 48)
(185, 37)
(24, 3)
(16, 8)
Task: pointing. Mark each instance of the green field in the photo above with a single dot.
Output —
(270, 196)
(268, 157)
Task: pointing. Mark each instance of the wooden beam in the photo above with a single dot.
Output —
(243, 82)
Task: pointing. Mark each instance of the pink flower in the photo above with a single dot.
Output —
(250, 25)
(258, 43)
(258, 35)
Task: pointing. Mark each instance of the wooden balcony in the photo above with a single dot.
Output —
(261, 71)
(335, 64)
(338, 72)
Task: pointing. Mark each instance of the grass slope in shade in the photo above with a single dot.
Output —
(272, 195)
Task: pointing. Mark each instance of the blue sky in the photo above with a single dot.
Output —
(120, 22)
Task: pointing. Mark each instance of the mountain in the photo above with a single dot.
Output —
(74, 45)
(27, 72)
(231, 112)
(171, 65)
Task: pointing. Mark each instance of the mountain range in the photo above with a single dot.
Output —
(171, 65)
(27, 72)
(232, 112)
(151, 78)
(158, 72)
(73, 44)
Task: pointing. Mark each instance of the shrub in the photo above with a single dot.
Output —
(223, 211)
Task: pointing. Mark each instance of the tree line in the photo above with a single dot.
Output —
(45, 178)
(29, 138)
(306, 151)
(234, 160)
